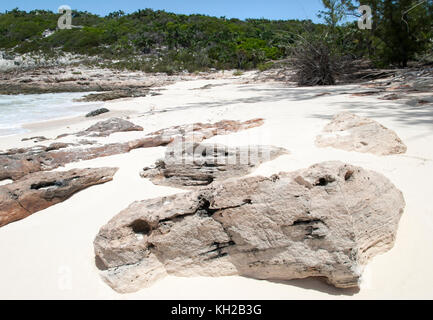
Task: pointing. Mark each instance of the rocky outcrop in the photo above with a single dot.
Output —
(116, 94)
(108, 127)
(194, 165)
(16, 163)
(111, 84)
(354, 133)
(41, 190)
(325, 221)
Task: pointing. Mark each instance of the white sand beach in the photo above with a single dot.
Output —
(49, 255)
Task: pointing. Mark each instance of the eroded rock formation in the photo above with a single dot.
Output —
(354, 133)
(41, 190)
(16, 163)
(325, 221)
(194, 165)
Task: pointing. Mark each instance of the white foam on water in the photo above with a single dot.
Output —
(16, 110)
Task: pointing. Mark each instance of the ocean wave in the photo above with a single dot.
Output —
(17, 110)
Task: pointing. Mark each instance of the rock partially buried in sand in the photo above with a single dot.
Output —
(41, 190)
(35, 139)
(353, 133)
(108, 127)
(97, 112)
(195, 165)
(325, 221)
(16, 163)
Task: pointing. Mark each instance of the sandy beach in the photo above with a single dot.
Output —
(50, 254)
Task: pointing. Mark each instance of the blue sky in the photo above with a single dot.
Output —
(270, 9)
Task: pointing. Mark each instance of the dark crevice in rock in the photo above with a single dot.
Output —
(177, 218)
(141, 227)
(205, 209)
(348, 175)
(324, 181)
(47, 184)
(307, 222)
(218, 250)
(56, 183)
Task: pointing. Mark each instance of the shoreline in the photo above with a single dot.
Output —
(26, 111)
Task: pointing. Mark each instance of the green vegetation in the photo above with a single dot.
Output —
(402, 30)
(157, 41)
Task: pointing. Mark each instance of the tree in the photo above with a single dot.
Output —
(335, 11)
(401, 29)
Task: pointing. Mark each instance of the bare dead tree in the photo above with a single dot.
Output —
(315, 64)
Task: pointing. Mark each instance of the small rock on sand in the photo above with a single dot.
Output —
(97, 112)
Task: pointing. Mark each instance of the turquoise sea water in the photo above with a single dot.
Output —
(16, 110)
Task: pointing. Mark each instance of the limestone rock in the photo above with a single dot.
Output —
(193, 165)
(325, 221)
(354, 133)
(97, 112)
(16, 163)
(107, 127)
(41, 190)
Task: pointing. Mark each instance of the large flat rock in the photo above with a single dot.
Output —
(350, 132)
(325, 221)
(200, 164)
